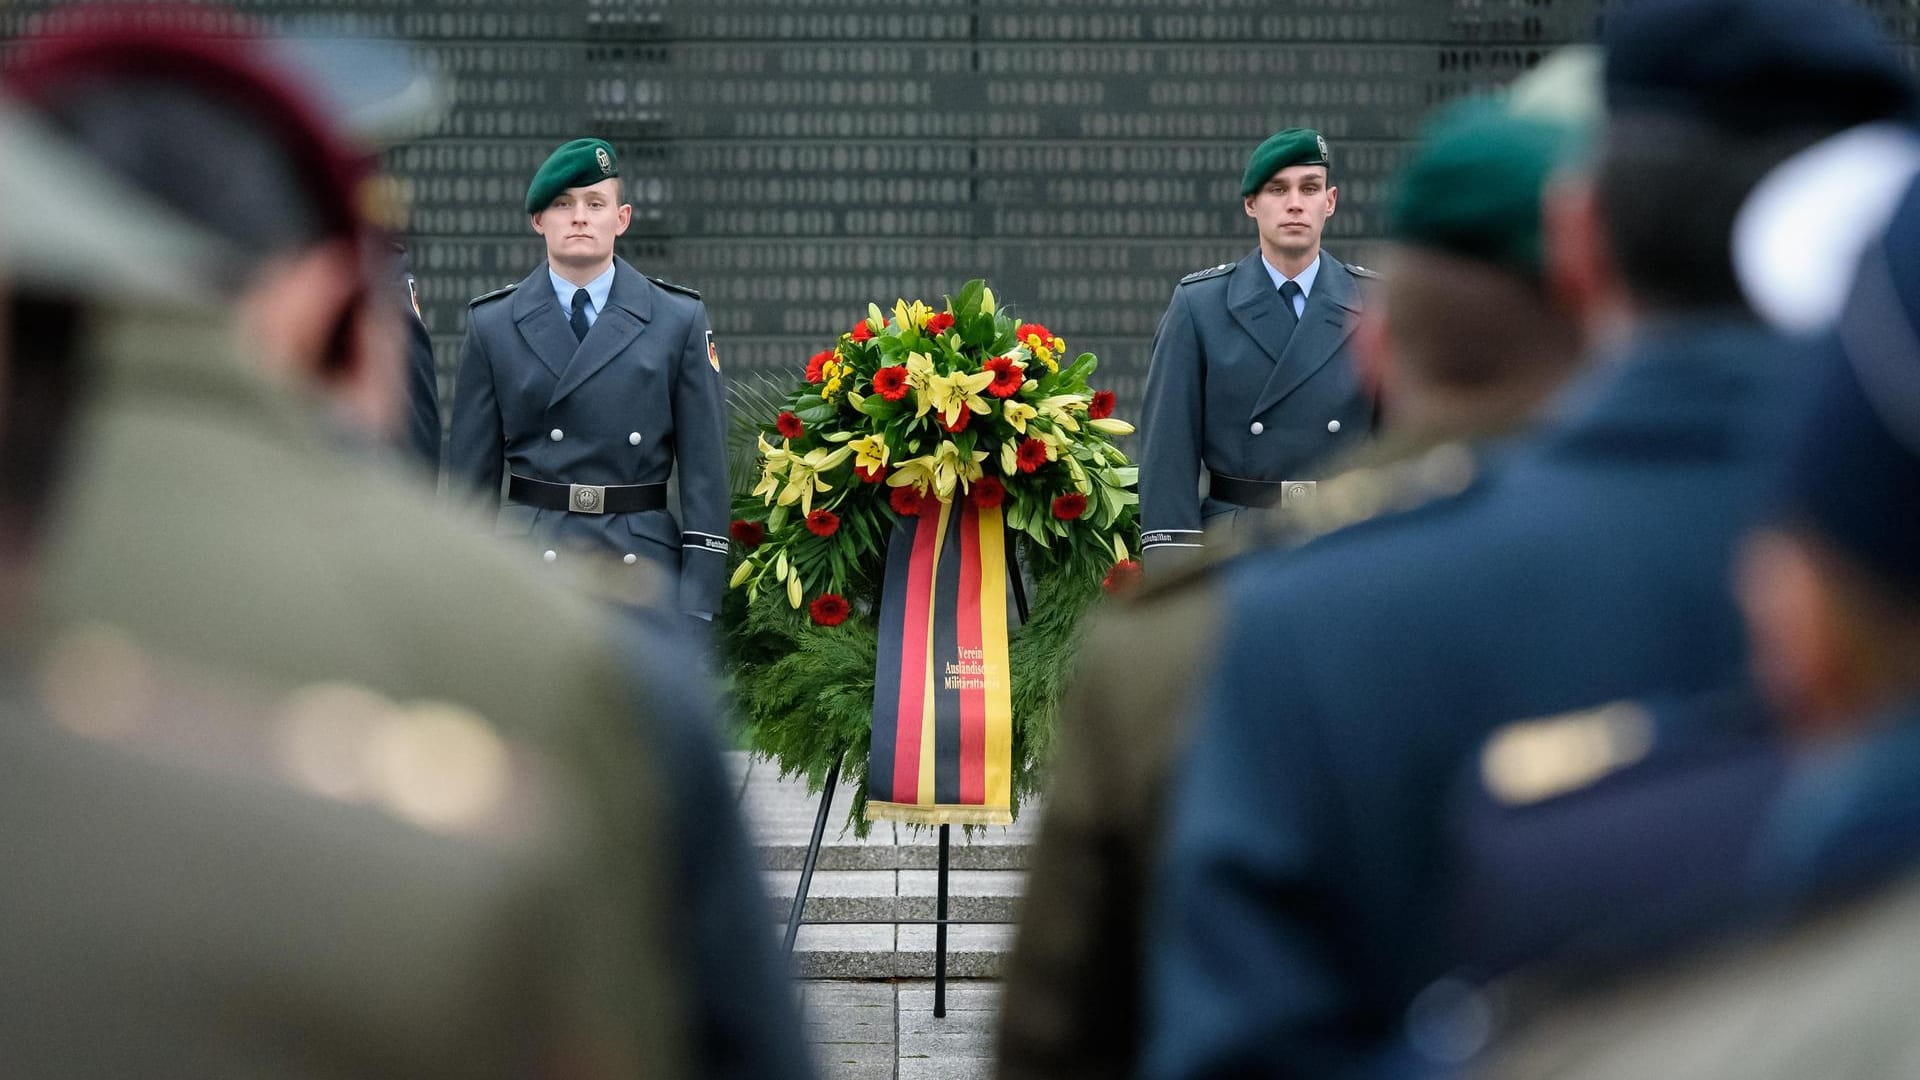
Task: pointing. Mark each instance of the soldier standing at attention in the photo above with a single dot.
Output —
(1251, 378)
(1470, 337)
(588, 384)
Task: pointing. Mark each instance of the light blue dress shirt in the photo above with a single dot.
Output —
(597, 291)
(1305, 281)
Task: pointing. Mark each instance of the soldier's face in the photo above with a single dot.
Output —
(1292, 209)
(581, 223)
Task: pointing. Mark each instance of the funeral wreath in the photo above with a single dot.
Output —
(911, 412)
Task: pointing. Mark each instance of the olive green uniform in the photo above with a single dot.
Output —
(207, 513)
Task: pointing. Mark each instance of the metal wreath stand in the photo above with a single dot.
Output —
(940, 922)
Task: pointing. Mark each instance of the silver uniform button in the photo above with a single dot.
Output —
(556, 434)
(549, 555)
(1257, 427)
(633, 438)
(1333, 425)
(630, 558)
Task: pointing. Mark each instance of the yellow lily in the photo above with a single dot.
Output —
(869, 453)
(920, 375)
(914, 315)
(943, 471)
(917, 473)
(956, 467)
(1110, 426)
(1017, 413)
(952, 394)
(1009, 458)
(1060, 409)
(773, 465)
(803, 475)
(986, 301)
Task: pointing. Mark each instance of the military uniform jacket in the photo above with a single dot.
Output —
(262, 550)
(640, 399)
(169, 863)
(421, 435)
(1232, 390)
(1803, 964)
(1581, 566)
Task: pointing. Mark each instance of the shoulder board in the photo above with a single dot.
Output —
(494, 295)
(1544, 758)
(675, 286)
(1361, 271)
(1365, 493)
(1209, 272)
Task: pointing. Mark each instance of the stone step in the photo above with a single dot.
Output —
(780, 815)
(866, 1030)
(888, 875)
(881, 951)
(887, 895)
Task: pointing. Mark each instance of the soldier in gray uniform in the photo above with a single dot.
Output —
(588, 385)
(1252, 384)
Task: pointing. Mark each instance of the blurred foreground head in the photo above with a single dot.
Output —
(59, 271)
(188, 106)
(1466, 333)
(1703, 98)
(1832, 593)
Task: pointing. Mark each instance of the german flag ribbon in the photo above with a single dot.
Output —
(942, 703)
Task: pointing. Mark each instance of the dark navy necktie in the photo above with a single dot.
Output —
(1289, 290)
(579, 319)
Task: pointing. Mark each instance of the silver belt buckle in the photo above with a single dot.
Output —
(1293, 491)
(587, 498)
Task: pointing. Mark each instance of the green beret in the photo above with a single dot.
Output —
(1294, 146)
(1473, 185)
(580, 163)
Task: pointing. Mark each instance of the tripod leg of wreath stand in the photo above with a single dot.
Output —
(813, 855)
(940, 933)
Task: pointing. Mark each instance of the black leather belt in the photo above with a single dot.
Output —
(1244, 492)
(587, 498)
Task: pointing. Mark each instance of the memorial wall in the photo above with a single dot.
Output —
(795, 159)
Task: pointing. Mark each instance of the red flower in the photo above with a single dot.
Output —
(987, 493)
(906, 501)
(1007, 376)
(938, 323)
(959, 424)
(1122, 578)
(748, 534)
(789, 425)
(870, 476)
(814, 374)
(828, 609)
(1069, 506)
(1029, 329)
(861, 331)
(891, 382)
(823, 523)
(1102, 406)
(1030, 454)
